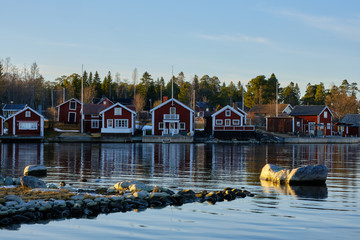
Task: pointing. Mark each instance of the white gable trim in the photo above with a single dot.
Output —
(172, 99)
(228, 108)
(71, 99)
(27, 108)
(117, 104)
(326, 107)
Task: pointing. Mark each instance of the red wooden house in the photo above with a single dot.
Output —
(172, 117)
(26, 122)
(2, 120)
(228, 123)
(312, 120)
(118, 120)
(69, 111)
(349, 126)
(92, 120)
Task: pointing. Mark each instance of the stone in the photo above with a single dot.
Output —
(35, 170)
(302, 175)
(140, 187)
(141, 194)
(125, 184)
(32, 182)
(8, 181)
(14, 198)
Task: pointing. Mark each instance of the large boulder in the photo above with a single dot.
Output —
(302, 175)
(32, 182)
(35, 170)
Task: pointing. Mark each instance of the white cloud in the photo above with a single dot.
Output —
(344, 27)
(234, 38)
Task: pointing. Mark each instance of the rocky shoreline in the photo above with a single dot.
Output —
(22, 204)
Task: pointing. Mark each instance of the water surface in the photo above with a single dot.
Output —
(276, 212)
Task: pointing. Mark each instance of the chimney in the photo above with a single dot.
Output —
(165, 98)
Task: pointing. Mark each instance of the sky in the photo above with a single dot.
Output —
(299, 41)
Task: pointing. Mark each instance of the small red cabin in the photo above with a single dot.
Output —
(172, 117)
(26, 122)
(312, 120)
(105, 101)
(118, 120)
(69, 111)
(2, 120)
(230, 123)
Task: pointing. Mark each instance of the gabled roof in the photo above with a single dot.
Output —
(14, 107)
(117, 104)
(268, 108)
(25, 109)
(309, 110)
(242, 111)
(89, 109)
(2, 117)
(71, 99)
(228, 108)
(172, 99)
(352, 119)
(104, 98)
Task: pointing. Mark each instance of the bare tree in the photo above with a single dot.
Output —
(134, 78)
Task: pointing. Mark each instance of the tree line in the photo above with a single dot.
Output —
(28, 86)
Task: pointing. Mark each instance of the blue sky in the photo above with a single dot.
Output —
(299, 41)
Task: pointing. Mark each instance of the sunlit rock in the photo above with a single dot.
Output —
(35, 170)
(302, 175)
(32, 182)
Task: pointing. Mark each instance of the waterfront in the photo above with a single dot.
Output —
(274, 213)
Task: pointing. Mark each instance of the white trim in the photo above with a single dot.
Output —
(93, 121)
(72, 101)
(233, 122)
(172, 99)
(27, 114)
(68, 101)
(118, 123)
(109, 121)
(182, 128)
(117, 111)
(229, 108)
(33, 123)
(228, 113)
(227, 122)
(117, 104)
(220, 122)
(116, 130)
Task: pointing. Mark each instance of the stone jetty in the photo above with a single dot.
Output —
(22, 204)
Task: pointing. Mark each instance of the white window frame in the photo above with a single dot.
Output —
(27, 113)
(236, 122)
(227, 113)
(161, 125)
(121, 123)
(104, 102)
(28, 125)
(109, 123)
(218, 122)
(74, 116)
(227, 122)
(95, 123)
(72, 102)
(117, 111)
(325, 114)
(172, 110)
(94, 116)
(298, 124)
(182, 125)
(328, 126)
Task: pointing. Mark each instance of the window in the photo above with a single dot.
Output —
(218, 122)
(328, 126)
(94, 123)
(94, 116)
(117, 111)
(172, 110)
(298, 123)
(121, 123)
(27, 114)
(28, 125)
(109, 123)
(227, 122)
(227, 113)
(236, 122)
(161, 125)
(104, 102)
(325, 114)
(72, 105)
(182, 126)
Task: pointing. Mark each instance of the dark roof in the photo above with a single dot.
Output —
(353, 119)
(93, 108)
(307, 110)
(203, 105)
(269, 109)
(11, 107)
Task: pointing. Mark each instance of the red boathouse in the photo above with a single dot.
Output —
(69, 111)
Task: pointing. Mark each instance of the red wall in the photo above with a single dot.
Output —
(1, 126)
(222, 116)
(125, 114)
(307, 119)
(184, 116)
(64, 112)
(21, 117)
(87, 124)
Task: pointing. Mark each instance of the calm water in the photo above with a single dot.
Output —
(330, 212)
